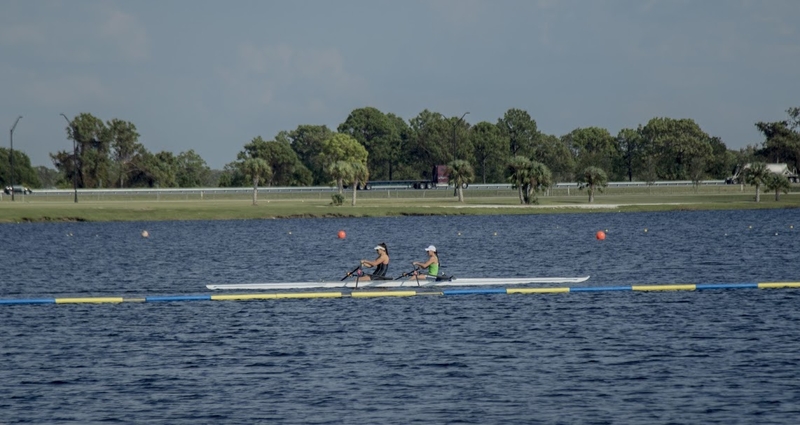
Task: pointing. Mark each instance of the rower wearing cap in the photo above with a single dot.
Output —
(381, 263)
(432, 265)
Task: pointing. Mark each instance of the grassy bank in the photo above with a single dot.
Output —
(375, 204)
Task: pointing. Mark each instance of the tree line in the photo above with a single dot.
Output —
(109, 154)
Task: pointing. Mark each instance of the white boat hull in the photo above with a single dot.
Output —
(403, 283)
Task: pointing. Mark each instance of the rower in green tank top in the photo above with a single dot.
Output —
(431, 266)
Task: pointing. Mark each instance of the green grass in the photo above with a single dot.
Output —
(377, 204)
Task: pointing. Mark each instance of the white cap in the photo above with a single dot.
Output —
(379, 247)
(431, 248)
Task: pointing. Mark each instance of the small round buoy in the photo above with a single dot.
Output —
(459, 233)
(645, 230)
(495, 233)
(600, 235)
(145, 234)
(791, 227)
(290, 233)
(341, 234)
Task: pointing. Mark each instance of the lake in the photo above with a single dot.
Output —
(711, 357)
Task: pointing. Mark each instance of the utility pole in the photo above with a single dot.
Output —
(11, 137)
(74, 162)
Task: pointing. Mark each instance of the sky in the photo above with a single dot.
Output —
(212, 75)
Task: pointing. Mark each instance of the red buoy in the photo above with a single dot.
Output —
(601, 235)
(341, 234)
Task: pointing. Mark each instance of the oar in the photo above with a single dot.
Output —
(406, 274)
(416, 276)
(350, 273)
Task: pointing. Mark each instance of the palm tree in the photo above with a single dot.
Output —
(519, 170)
(360, 174)
(255, 169)
(593, 178)
(341, 172)
(757, 175)
(779, 183)
(539, 179)
(461, 173)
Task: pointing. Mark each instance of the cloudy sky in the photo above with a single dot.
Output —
(211, 75)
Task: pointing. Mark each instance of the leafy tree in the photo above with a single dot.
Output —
(778, 183)
(256, 169)
(24, 174)
(782, 139)
(490, 149)
(629, 146)
(675, 142)
(521, 131)
(593, 178)
(757, 174)
(341, 147)
(306, 141)
(287, 170)
(192, 170)
(376, 132)
(697, 172)
(722, 161)
(430, 142)
(48, 177)
(123, 138)
(554, 153)
(592, 146)
(93, 145)
(400, 163)
(461, 173)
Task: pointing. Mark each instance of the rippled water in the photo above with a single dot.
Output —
(717, 356)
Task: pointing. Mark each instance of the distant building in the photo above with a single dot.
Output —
(780, 168)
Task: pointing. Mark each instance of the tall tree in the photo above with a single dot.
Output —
(555, 154)
(287, 170)
(490, 150)
(92, 162)
(592, 146)
(675, 142)
(460, 173)
(124, 141)
(430, 143)
(757, 174)
(376, 132)
(192, 170)
(519, 175)
(306, 141)
(24, 174)
(629, 147)
(342, 155)
(593, 179)
(256, 169)
(521, 131)
(340, 172)
(782, 139)
(360, 174)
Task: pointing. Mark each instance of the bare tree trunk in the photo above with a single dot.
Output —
(758, 193)
(339, 185)
(355, 189)
(591, 194)
(777, 195)
(255, 191)
(519, 192)
(460, 194)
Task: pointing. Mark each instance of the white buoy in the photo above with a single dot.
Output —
(145, 234)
